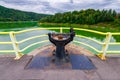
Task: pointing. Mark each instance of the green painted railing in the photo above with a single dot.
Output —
(101, 53)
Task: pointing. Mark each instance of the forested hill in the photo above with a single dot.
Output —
(89, 16)
(7, 14)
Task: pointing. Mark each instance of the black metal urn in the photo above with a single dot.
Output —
(60, 40)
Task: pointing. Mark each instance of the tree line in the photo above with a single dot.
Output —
(89, 16)
(7, 14)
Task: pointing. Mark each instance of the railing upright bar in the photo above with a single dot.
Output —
(15, 46)
(105, 46)
(61, 30)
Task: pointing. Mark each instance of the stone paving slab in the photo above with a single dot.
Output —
(15, 70)
(106, 69)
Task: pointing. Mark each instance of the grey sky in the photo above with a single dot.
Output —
(54, 6)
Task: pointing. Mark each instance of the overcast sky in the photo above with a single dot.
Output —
(54, 6)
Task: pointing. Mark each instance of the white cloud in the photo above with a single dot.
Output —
(53, 1)
(54, 6)
(58, 1)
(88, 1)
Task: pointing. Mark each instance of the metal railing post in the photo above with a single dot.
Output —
(61, 30)
(105, 46)
(15, 46)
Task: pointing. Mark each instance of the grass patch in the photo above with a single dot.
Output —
(19, 24)
(98, 27)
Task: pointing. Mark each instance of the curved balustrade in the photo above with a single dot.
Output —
(101, 53)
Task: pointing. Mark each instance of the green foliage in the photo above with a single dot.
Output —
(103, 27)
(89, 16)
(20, 24)
(7, 14)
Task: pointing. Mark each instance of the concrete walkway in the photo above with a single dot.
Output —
(15, 70)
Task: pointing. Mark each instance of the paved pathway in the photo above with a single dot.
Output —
(15, 70)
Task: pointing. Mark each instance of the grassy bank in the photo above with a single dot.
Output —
(97, 27)
(18, 24)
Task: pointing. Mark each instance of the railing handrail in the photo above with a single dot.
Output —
(30, 38)
(90, 39)
(94, 31)
(4, 32)
(16, 43)
(32, 45)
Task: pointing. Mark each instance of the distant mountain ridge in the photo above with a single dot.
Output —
(7, 14)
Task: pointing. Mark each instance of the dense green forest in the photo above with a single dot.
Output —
(89, 16)
(7, 14)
